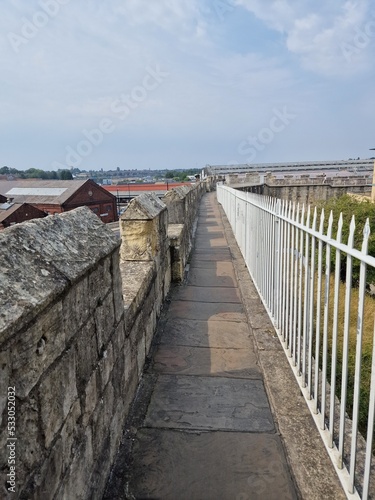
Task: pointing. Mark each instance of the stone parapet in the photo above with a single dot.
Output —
(78, 311)
(143, 229)
(61, 317)
(182, 204)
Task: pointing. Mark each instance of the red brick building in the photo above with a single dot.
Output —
(14, 213)
(53, 196)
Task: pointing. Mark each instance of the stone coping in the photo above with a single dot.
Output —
(41, 258)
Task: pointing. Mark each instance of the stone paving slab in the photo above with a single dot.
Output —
(184, 360)
(207, 311)
(209, 294)
(214, 334)
(209, 403)
(211, 222)
(216, 233)
(209, 242)
(224, 267)
(211, 277)
(171, 465)
(211, 255)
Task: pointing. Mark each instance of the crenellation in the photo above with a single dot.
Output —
(78, 316)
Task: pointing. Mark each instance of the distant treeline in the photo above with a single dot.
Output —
(181, 175)
(37, 173)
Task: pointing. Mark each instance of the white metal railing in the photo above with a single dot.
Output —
(298, 268)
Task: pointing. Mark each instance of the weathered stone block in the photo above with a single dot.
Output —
(100, 470)
(76, 481)
(46, 482)
(73, 241)
(118, 377)
(76, 305)
(137, 278)
(36, 349)
(105, 366)
(141, 352)
(5, 371)
(143, 228)
(91, 397)
(87, 353)
(69, 433)
(28, 283)
(130, 362)
(119, 341)
(116, 428)
(175, 201)
(118, 299)
(105, 321)
(101, 419)
(57, 393)
(150, 328)
(99, 282)
(29, 449)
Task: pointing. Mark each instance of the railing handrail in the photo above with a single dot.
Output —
(288, 254)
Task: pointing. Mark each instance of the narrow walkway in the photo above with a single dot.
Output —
(202, 427)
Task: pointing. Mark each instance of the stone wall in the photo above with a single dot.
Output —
(76, 325)
(309, 189)
(182, 204)
(61, 335)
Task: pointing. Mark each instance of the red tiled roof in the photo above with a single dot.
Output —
(145, 187)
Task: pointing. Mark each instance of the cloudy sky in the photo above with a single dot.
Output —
(185, 83)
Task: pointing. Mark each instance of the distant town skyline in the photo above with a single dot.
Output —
(177, 85)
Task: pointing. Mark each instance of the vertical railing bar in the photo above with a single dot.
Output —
(278, 275)
(345, 354)
(325, 325)
(318, 315)
(287, 284)
(370, 427)
(358, 354)
(311, 316)
(295, 305)
(305, 299)
(271, 257)
(335, 333)
(285, 252)
(267, 262)
(300, 326)
(292, 256)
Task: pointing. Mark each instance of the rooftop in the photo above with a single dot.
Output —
(55, 192)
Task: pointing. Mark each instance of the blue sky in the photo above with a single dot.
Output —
(183, 83)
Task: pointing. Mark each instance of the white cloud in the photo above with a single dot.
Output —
(226, 73)
(181, 18)
(318, 35)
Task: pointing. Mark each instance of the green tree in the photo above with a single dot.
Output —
(362, 210)
(65, 175)
(170, 174)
